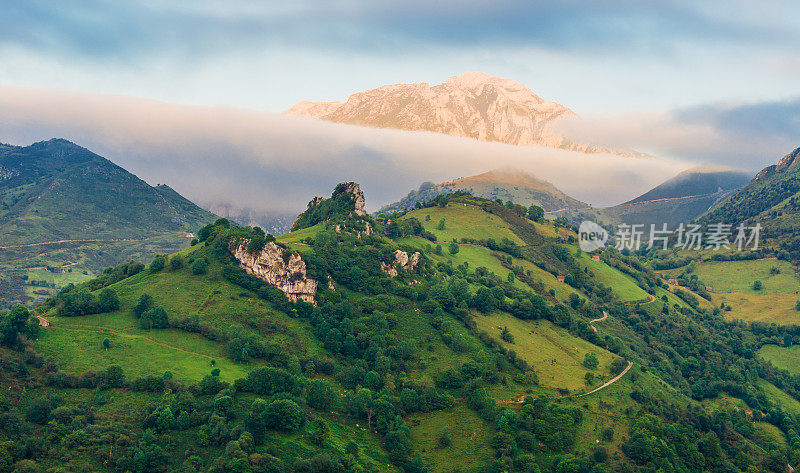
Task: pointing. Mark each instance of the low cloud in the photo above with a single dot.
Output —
(265, 164)
(748, 136)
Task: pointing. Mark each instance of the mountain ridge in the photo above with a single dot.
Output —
(505, 184)
(65, 208)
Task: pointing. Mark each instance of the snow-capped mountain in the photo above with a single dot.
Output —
(473, 105)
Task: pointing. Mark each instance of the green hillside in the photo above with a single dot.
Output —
(472, 356)
(68, 210)
(772, 200)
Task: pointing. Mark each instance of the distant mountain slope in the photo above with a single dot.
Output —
(696, 182)
(517, 186)
(772, 199)
(472, 105)
(57, 190)
(62, 204)
(680, 199)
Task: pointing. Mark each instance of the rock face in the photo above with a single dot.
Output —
(402, 260)
(269, 265)
(356, 195)
(472, 105)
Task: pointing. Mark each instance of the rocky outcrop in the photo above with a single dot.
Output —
(403, 261)
(356, 195)
(288, 275)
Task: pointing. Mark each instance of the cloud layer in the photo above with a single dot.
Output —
(748, 136)
(273, 164)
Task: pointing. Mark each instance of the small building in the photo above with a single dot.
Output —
(709, 289)
(560, 278)
(595, 257)
(42, 321)
(672, 281)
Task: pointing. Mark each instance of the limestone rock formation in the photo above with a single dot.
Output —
(356, 195)
(269, 265)
(403, 261)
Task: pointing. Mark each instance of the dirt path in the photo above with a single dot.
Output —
(58, 242)
(591, 322)
(611, 381)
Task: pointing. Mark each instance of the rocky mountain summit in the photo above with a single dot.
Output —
(472, 105)
(347, 200)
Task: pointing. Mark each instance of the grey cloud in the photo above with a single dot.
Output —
(101, 29)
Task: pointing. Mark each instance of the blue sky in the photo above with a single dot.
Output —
(593, 56)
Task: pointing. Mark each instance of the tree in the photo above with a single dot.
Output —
(320, 432)
(484, 300)
(441, 224)
(176, 262)
(14, 323)
(438, 250)
(154, 318)
(590, 361)
(283, 414)
(797, 305)
(453, 248)
(106, 344)
(158, 263)
(506, 335)
(106, 301)
(444, 440)
(757, 286)
(618, 365)
(535, 213)
(199, 266)
(145, 303)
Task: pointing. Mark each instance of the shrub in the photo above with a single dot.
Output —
(158, 263)
(453, 248)
(590, 361)
(154, 318)
(176, 262)
(145, 303)
(199, 266)
(106, 301)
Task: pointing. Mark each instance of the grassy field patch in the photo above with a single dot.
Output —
(469, 437)
(464, 221)
(623, 285)
(552, 352)
(785, 358)
(739, 276)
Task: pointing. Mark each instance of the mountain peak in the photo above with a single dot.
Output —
(470, 105)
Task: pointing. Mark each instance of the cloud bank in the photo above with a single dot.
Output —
(747, 136)
(268, 164)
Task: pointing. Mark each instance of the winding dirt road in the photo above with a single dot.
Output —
(591, 322)
(611, 381)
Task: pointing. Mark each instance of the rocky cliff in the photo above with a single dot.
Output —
(269, 265)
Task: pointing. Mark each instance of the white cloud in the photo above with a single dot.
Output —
(274, 164)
